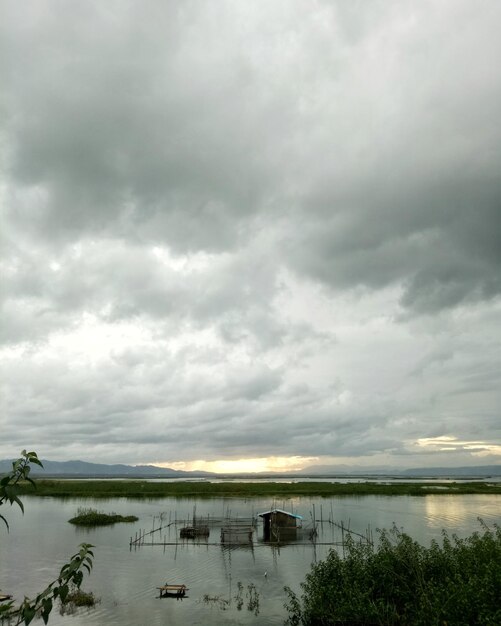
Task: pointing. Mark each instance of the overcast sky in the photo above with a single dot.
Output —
(261, 231)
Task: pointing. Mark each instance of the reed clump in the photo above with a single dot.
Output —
(80, 598)
(93, 517)
(77, 599)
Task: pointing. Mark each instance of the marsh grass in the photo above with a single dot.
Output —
(93, 517)
(143, 489)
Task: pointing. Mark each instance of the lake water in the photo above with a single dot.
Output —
(125, 578)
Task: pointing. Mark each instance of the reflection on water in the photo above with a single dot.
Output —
(445, 510)
(126, 578)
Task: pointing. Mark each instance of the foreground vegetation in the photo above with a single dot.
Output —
(93, 517)
(70, 574)
(401, 583)
(145, 489)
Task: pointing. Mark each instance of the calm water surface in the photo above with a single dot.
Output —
(125, 579)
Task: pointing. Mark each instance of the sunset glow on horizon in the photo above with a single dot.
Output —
(238, 466)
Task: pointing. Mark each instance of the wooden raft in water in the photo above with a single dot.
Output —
(173, 591)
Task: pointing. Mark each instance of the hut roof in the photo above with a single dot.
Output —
(280, 511)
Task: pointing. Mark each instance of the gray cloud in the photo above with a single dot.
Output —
(277, 224)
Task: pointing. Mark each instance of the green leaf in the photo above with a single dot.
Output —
(63, 592)
(46, 609)
(28, 613)
(33, 458)
(14, 499)
(5, 608)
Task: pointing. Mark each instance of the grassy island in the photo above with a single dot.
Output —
(92, 517)
(143, 489)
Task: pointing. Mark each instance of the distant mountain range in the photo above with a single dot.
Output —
(83, 469)
(475, 471)
(417, 472)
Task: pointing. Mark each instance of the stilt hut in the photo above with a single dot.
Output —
(278, 524)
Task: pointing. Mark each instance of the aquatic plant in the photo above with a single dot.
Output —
(222, 603)
(253, 599)
(219, 601)
(77, 598)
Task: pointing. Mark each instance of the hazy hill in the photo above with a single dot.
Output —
(418, 472)
(82, 468)
(474, 471)
(85, 469)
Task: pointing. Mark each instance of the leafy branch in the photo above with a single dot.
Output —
(71, 574)
(20, 471)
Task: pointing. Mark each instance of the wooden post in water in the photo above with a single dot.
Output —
(342, 536)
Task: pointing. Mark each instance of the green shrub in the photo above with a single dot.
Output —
(399, 582)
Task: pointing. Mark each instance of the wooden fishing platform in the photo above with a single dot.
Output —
(172, 591)
(238, 532)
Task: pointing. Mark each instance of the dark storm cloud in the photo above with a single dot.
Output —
(445, 245)
(132, 124)
(170, 129)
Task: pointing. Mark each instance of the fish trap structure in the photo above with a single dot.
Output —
(234, 533)
(279, 528)
(194, 531)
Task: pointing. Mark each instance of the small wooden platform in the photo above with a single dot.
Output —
(172, 591)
